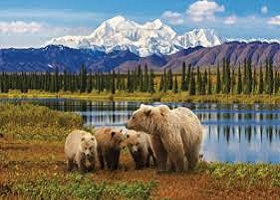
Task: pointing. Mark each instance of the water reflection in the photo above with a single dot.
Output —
(244, 133)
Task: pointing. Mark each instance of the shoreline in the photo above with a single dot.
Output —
(157, 97)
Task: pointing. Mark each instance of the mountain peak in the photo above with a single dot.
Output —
(154, 37)
(115, 20)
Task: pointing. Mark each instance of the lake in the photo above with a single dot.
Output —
(233, 133)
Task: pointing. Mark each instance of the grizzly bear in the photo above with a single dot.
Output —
(176, 135)
(108, 149)
(80, 147)
(139, 145)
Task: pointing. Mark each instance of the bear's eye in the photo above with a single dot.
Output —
(86, 148)
(90, 148)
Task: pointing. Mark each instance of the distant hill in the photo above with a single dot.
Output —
(65, 58)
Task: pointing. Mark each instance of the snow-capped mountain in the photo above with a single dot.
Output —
(199, 37)
(144, 40)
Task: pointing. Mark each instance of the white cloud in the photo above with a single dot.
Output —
(174, 18)
(274, 20)
(264, 10)
(204, 10)
(230, 20)
(19, 27)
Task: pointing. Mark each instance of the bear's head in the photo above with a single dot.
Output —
(132, 140)
(88, 145)
(116, 138)
(147, 117)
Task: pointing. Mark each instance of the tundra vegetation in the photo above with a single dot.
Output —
(32, 166)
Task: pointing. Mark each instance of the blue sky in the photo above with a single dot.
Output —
(31, 22)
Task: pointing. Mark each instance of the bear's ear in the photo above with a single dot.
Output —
(163, 109)
(148, 112)
(92, 138)
(113, 133)
(83, 139)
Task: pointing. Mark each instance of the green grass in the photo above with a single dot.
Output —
(242, 174)
(28, 121)
(146, 97)
(75, 186)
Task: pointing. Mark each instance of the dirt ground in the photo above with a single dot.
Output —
(18, 157)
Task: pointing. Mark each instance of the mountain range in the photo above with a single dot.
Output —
(70, 59)
(122, 45)
(143, 40)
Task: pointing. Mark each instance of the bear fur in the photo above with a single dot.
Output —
(140, 148)
(80, 147)
(176, 135)
(108, 149)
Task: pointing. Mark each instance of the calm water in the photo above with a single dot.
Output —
(233, 133)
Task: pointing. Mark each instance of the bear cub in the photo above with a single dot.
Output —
(108, 149)
(139, 146)
(80, 147)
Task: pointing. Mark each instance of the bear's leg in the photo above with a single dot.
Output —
(92, 164)
(136, 158)
(151, 154)
(115, 159)
(108, 160)
(70, 164)
(160, 153)
(175, 150)
(177, 160)
(101, 159)
(148, 158)
(193, 157)
(81, 161)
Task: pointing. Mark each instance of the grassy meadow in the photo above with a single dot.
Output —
(146, 97)
(32, 166)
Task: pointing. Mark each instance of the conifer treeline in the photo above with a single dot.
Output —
(82, 82)
(197, 81)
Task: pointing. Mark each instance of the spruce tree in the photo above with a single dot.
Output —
(261, 84)
(146, 79)
(151, 88)
(192, 90)
(188, 75)
(175, 87)
(209, 84)
(165, 86)
(249, 79)
(245, 76)
(184, 81)
(239, 81)
(83, 79)
(170, 79)
(218, 82)
(233, 82)
(204, 82)
(161, 84)
(199, 81)
(89, 83)
(254, 80)
(129, 82)
(268, 77)
(276, 82)
(113, 86)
